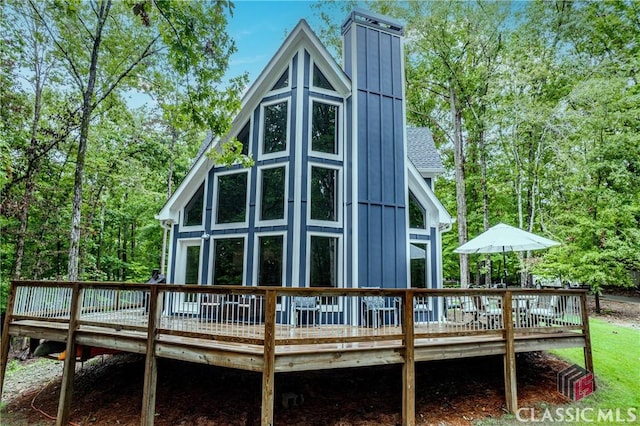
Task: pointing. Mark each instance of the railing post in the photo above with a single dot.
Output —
(151, 364)
(409, 365)
(588, 359)
(510, 380)
(69, 369)
(6, 338)
(268, 369)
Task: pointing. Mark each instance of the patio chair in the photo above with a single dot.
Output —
(307, 305)
(375, 308)
(546, 310)
(491, 312)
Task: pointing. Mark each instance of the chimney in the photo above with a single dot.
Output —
(373, 59)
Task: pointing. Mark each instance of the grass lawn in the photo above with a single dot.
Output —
(616, 361)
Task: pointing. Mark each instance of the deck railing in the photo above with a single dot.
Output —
(302, 315)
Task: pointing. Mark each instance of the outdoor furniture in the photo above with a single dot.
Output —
(376, 308)
(492, 311)
(546, 310)
(307, 305)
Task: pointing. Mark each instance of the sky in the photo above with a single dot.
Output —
(260, 27)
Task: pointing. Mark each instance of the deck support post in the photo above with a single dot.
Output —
(510, 379)
(151, 362)
(6, 338)
(588, 359)
(409, 365)
(268, 369)
(69, 369)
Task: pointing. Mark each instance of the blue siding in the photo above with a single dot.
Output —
(382, 228)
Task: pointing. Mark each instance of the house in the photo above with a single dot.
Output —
(341, 192)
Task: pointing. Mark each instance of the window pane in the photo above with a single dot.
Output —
(192, 269)
(324, 195)
(232, 195)
(272, 203)
(270, 260)
(324, 132)
(244, 138)
(193, 210)
(229, 261)
(319, 80)
(323, 262)
(418, 265)
(283, 81)
(275, 128)
(416, 213)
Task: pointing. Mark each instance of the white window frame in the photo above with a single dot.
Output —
(256, 253)
(340, 194)
(427, 214)
(429, 283)
(212, 255)
(317, 89)
(214, 210)
(340, 282)
(339, 146)
(178, 303)
(185, 228)
(273, 222)
(287, 87)
(279, 154)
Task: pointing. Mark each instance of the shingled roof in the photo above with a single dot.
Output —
(421, 150)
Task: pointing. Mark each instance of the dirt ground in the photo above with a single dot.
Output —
(108, 390)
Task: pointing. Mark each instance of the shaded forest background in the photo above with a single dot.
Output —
(535, 108)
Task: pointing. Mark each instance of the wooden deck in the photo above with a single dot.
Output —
(259, 329)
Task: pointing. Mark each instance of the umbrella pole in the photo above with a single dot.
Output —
(504, 268)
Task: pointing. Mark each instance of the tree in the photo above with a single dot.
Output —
(104, 44)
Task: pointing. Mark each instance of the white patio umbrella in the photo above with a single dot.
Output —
(503, 238)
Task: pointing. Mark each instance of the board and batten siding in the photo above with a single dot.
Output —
(374, 62)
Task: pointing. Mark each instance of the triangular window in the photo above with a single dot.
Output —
(193, 210)
(319, 80)
(283, 81)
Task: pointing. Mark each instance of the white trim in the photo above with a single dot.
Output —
(285, 89)
(339, 202)
(354, 166)
(178, 304)
(279, 154)
(274, 222)
(212, 253)
(256, 253)
(339, 133)
(184, 228)
(214, 203)
(317, 89)
(296, 171)
(427, 219)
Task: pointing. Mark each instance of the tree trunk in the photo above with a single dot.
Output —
(87, 110)
(461, 198)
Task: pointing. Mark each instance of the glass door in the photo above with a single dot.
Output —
(188, 272)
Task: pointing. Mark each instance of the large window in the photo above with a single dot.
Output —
(324, 194)
(270, 260)
(194, 208)
(418, 265)
(274, 137)
(192, 270)
(244, 137)
(416, 213)
(228, 261)
(232, 198)
(323, 261)
(272, 193)
(324, 129)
